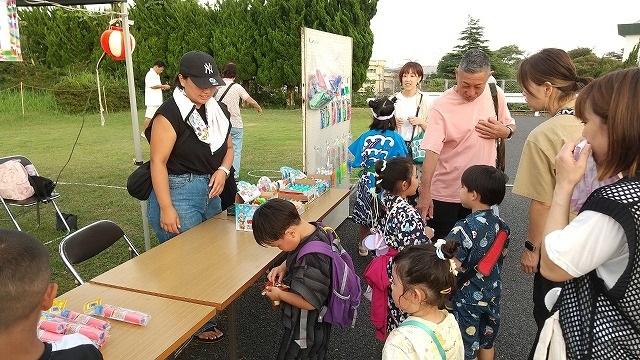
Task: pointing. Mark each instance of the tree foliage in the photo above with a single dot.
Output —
(262, 37)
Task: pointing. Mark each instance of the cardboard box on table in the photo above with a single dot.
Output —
(244, 213)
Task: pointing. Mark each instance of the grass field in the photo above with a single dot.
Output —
(92, 183)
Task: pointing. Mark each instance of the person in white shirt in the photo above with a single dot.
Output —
(153, 91)
(412, 104)
(231, 94)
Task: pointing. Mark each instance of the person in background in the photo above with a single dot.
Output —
(380, 142)
(191, 155)
(231, 94)
(421, 283)
(412, 104)
(277, 223)
(153, 91)
(26, 290)
(463, 128)
(402, 226)
(550, 83)
(596, 254)
(476, 304)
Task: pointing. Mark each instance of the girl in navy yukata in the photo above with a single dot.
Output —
(402, 226)
(380, 142)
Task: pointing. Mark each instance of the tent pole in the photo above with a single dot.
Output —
(134, 113)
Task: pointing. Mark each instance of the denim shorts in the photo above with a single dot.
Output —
(190, 197)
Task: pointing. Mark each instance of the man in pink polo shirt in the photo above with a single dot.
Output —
(462, 131)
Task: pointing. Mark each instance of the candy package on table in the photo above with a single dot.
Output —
(247, 191)
(117, 313)
(53, 323)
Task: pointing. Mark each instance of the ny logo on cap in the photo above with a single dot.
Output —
(208, 69)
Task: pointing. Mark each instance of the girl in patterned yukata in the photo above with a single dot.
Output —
(423, 279)
(381, 142)
(402, 226)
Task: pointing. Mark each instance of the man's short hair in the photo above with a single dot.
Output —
(272, 219)
(25, 274)
(160, 63)
(474, 61)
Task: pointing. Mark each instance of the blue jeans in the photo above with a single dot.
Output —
(189, 196)
(236, 138)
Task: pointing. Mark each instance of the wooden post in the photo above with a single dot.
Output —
(22, 97)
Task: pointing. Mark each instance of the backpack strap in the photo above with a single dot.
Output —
(315, 246)
(486, 263)
(225, 92)
(428, 331)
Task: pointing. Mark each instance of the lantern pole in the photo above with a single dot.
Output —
(99, 93)
(134, 114)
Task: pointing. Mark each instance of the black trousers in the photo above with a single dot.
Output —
(541, 287)
(445, 215)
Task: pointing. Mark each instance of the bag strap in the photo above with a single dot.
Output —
(428, 331)
(500, 145)
(494, 96)
(225, 92)
(486, 263)
(413, 131)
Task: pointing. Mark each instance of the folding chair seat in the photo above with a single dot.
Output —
(33, 200)
(90, 241)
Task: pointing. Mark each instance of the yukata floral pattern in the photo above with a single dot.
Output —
(370, 147)
(402, 227)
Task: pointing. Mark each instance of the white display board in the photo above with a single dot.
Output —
(326, 102)
(9, 35)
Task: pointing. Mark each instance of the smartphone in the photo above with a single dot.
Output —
(578, 149)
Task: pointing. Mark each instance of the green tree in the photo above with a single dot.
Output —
(510, 55)
(632, 59)
(472, 37)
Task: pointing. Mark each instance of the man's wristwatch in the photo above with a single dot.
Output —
(510, 132)
(530, 246)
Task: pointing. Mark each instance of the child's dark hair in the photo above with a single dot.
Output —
(487, 181)
(383, 113)
(272, 219)
(389, 174)
(25, 274)
(420, 266)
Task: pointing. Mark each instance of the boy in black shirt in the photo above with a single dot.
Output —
(26, 290)
(277, 223)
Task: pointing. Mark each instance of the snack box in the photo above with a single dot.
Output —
(244, 212)
(302, 190)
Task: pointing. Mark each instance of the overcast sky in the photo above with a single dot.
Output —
(423, 31)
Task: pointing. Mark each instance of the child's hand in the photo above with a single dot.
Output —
(277, 273)
(429, 232)
(272, 292)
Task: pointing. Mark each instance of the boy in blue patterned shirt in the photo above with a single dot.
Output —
(476, 304)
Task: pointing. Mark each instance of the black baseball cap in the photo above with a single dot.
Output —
(201, 68)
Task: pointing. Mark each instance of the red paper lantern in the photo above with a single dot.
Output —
(112, 42)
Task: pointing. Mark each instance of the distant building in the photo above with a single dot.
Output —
(631, 34)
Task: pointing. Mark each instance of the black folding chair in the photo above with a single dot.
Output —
(90, 241)
(33, 200)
